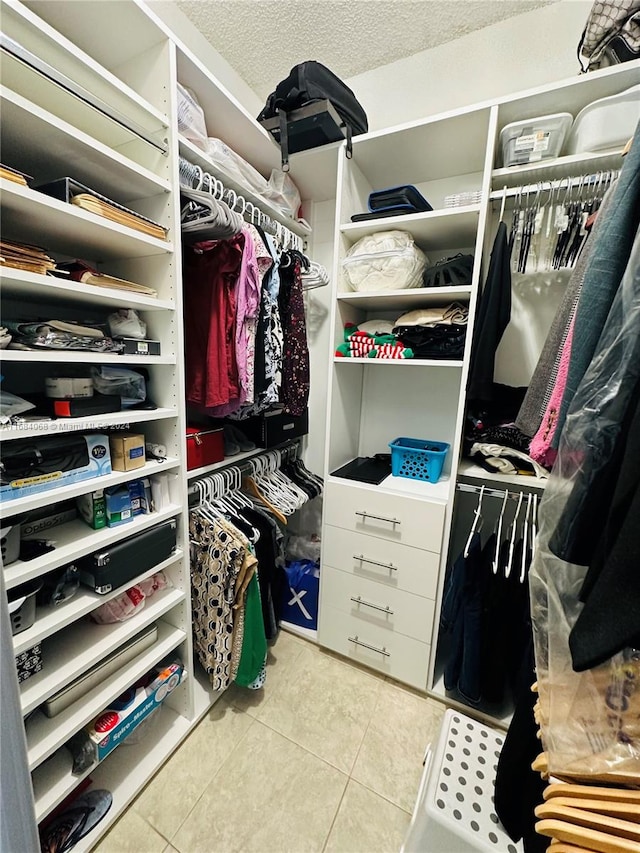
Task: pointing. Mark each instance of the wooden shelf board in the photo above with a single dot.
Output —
(65, 425)
(403, 300)
(549, 170)
(474, 472)
(399, 362)
(450, 228)
(78, 357)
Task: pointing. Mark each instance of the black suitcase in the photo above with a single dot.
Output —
(119, 564)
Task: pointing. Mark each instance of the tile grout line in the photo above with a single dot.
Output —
(335, 817)
(366, 730)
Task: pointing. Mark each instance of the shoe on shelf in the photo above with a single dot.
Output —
(231, 446)
(240, 438)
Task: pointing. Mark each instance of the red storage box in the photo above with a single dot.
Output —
(204, 447)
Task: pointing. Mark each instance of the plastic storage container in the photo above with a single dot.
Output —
(607, 123)
(418, 459)
(389, 260)
(534, 139)
(454, 809)
(22, 605)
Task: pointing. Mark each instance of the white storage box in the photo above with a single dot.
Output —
(454, 810)
(389, 260)
(606, 124)
(535, 139)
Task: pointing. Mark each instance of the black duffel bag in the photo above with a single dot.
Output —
(306, 84)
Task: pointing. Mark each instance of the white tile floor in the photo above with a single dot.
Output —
(327, 756)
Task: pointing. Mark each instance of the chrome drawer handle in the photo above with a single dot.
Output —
(366, 515)
(364, 559)
(387, 609)
(358, 642)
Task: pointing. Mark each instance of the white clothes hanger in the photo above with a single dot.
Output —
(512, 542)
(525, 537)
(503, 202)
(534, 527)
(477, 523)
(496, 556)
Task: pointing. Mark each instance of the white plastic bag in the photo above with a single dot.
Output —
(389, 260)
(235, 166)
(127, 323)
(283, 193)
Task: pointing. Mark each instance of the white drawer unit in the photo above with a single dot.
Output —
(417, 523)
(395, 566)
(373, 604)
(401, 657)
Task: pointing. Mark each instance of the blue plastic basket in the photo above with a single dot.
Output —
(418, 459)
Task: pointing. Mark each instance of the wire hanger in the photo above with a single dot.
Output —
(477, 523)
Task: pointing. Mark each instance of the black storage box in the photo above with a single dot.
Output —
(275, 427)
(117, 565)
(136, 346)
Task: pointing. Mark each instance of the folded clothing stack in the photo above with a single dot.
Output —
(434, 333)
(60, 335)
(376, 341)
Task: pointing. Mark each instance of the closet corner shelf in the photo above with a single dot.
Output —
(420, 489)
(18, 284)
(403, 300)
(75, 539)
(549, 170)
(62, 227)
(448, 228)
(92, 422)
(402, 362)
(198, 157)
(475, 472)
(29, 502)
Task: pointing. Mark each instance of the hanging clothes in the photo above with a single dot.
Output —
(606, 267)
(493, 318)
(294, 394)
(210, 273)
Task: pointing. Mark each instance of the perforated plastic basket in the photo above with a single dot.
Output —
(454, 811)
(418, 459)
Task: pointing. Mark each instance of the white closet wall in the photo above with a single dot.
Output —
(530, 49)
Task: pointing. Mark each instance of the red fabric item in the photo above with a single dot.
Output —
(210, 272)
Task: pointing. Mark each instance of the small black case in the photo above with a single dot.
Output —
(119, 564)
(405, 197)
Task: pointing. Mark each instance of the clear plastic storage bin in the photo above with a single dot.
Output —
(607, 123)
(534, 139)
(389, 260)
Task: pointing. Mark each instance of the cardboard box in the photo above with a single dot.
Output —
(93, 509)
(97, 452)
(115, 724)
(127, 451)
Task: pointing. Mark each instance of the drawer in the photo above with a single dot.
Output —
(395, 518)
(395, 566)
(392, 654)
(373, 604)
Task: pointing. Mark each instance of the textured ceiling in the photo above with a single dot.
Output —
(263, 39)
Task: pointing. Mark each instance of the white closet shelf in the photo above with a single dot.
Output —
(404, 300)
(58, 226)
(64, 425)
(198, 157)
(53, 781)
(549, 170)
(441, 146)
(46, 734)
(451, 228)
(315, 171)
(422, 489)
(78, 357)
(50, 620)
(75, 539)
(475, 472)
(69, 150)
(397, 362)
(20, 284)
(84, 644)
(51, 46)
(227, 462)
(72, 490)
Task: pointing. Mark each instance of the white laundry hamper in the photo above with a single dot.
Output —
(454, 811)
